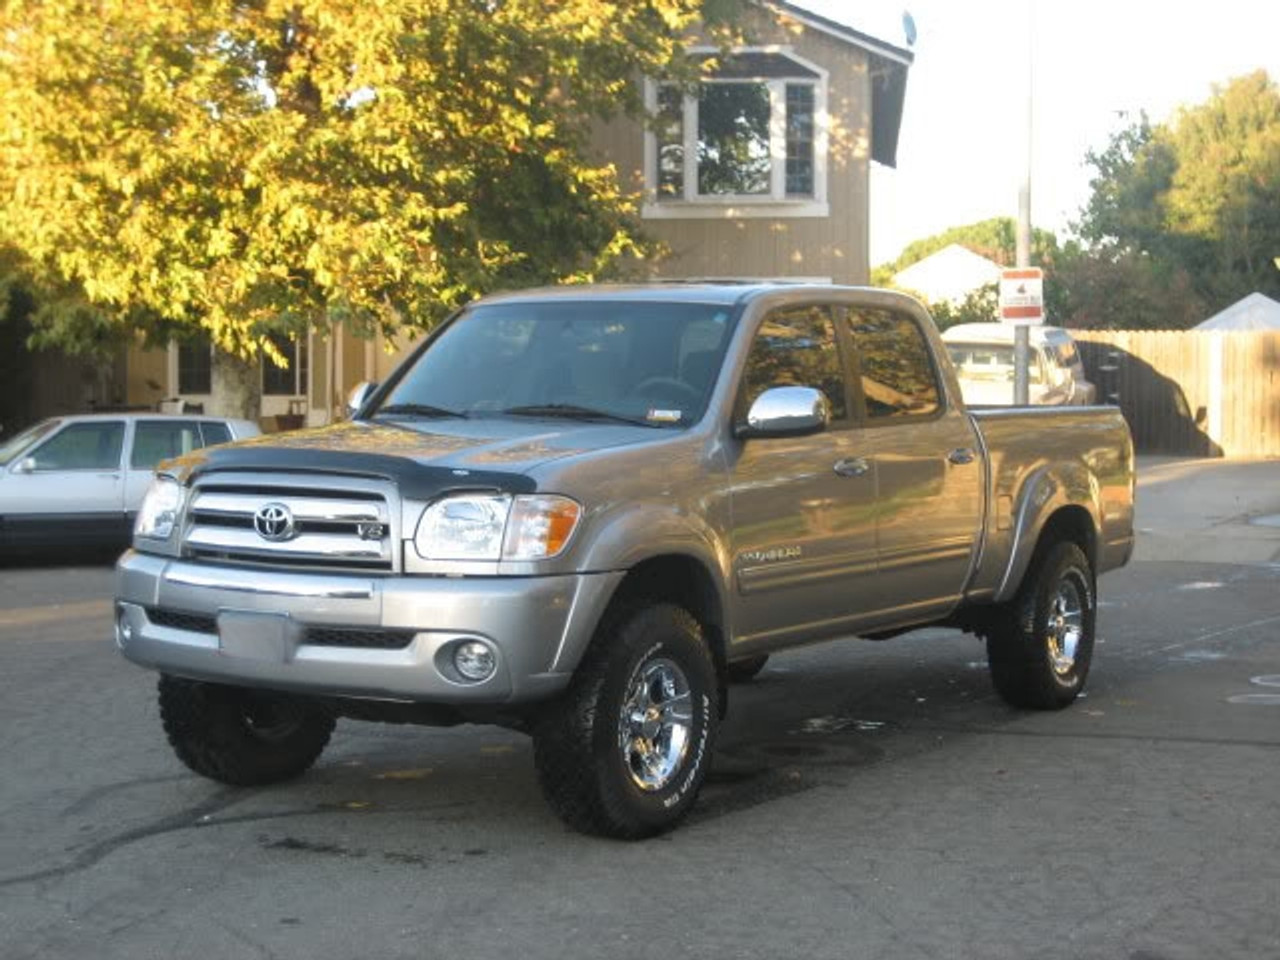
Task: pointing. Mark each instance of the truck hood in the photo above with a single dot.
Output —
(419, 455)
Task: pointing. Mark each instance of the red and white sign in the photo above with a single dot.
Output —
(1022, 295)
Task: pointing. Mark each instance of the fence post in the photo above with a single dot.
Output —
(1214, 424)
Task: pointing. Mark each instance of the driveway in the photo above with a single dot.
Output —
(866, 800)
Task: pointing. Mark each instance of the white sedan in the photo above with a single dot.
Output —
(79, 479)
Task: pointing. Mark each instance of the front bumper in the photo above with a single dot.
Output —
(284, 630)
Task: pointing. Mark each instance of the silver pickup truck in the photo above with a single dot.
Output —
(582, 512)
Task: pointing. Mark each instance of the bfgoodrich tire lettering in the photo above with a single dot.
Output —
(239, 736)
(1040, 644)
(624, 752)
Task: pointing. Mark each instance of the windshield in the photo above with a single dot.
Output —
(642, 362)
(990, 361)
(14, 447)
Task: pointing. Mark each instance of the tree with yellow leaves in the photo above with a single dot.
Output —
(244, 168)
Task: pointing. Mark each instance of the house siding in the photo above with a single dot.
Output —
(835, 246)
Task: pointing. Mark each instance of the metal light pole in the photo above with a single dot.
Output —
(1021, 335)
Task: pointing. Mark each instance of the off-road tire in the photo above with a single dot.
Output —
(578, 743)
(742, 671)
(1022, 639)
(239, 736)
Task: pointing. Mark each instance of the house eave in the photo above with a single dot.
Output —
(840, 31)
(889, 66)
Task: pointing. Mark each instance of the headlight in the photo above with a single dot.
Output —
(496, 527)
(159, 511)
(463, 528)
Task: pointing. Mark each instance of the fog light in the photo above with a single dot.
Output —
(124, 629)
(474, 660)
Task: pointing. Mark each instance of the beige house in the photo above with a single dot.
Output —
(763, 173)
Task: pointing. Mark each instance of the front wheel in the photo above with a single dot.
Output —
(1040, 644)
(624, 752)
(239, 736)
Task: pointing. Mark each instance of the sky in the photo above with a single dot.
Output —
(1095, 65)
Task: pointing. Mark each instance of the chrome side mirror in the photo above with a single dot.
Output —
(358, 396)
(26, 465)
(786, 412)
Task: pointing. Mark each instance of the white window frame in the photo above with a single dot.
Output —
(172, 386)
(300, 389)
(272, 404)
(775, 204)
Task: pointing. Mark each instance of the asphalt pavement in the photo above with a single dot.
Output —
(866, 799)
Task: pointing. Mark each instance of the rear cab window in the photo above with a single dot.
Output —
(895, 372)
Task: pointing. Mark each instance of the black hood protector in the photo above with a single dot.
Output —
(415, 481)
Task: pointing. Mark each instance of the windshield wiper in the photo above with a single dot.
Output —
(571, 411)
(420, 410)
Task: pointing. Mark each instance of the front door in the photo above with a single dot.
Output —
(803, 508)
(70, 488)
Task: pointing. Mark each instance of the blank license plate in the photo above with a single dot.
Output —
(255, 636)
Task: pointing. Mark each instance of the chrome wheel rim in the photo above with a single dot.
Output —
(1064, 628)
(655, 724)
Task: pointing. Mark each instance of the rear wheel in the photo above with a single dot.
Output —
(239, 736)
(1040, 644)
(624, 752)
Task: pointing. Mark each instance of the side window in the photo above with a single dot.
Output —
(1043, 367)
(796, 347)
(83, 446)
(215, 433)
(156, 440)
(898, 378)
(1068, 356)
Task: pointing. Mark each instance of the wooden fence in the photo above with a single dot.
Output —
(1191, 393)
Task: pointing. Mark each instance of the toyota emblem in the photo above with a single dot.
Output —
(274, 521)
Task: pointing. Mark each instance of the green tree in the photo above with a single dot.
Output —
(995, 238)
(980, 306)
(243, 168)
(1193, 203)
(1110, 289)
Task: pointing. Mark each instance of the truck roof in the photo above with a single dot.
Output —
(691, 291)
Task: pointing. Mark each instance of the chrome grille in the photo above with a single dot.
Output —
(339, 525)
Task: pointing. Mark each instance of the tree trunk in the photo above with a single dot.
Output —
(237, 387)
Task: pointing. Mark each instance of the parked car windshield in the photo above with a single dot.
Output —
(989, 361)
(15, 447)
(649, 363)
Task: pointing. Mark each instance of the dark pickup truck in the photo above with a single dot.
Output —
(582, 512)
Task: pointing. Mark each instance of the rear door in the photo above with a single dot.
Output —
(803, 508)
(929, 471)
(153, 441)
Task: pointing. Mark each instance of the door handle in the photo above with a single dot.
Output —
(856, 467)
(961, 455)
